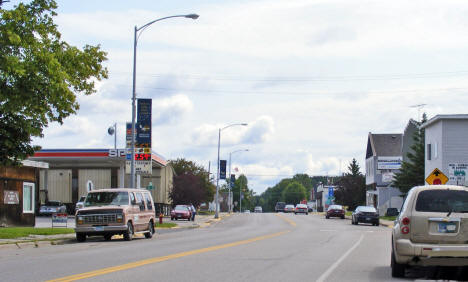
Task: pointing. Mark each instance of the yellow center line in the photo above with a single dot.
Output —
(163, 258)
(292, 223)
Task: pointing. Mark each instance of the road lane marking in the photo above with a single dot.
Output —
(327, 273)
(292, 223)
(163, 258)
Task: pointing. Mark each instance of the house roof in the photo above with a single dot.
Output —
(384, 145)
(441, 117)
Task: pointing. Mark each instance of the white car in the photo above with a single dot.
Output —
(258, 209)
(289, 208)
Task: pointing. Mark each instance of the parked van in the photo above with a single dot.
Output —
(108, 212)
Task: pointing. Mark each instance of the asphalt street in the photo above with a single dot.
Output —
(243, 247)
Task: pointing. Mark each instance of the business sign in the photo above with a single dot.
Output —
(222, 169)
(457, 174)
(10, 197)
(389, 162)
(387, 177)
(143, 139)
(141, 167)
(59, 218)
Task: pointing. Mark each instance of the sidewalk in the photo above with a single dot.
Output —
(201, 221)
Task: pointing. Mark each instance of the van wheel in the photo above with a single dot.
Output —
(108, 237)
(80, 237)
(149, 234)
(128, 234)
(398, 269)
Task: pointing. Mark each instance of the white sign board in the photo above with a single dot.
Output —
(389, 162)
(457, 174)
(387, 177)
(141, 167)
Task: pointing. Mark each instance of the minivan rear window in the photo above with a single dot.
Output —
(442, 201)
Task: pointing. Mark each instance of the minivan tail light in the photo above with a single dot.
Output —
(405, 221)
(405, 230)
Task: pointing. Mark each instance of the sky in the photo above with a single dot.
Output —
(311, 78)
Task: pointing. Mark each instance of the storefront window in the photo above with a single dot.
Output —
(28, 197)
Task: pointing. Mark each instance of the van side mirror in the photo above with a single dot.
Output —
(134, 202)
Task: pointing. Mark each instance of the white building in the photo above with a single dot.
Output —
(446, 143)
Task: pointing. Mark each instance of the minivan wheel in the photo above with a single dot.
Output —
(108, 237)
(398, 269)
(149, 234)
(128, 234)
(80, 237)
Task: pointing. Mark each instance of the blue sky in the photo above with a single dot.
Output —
(311, 78)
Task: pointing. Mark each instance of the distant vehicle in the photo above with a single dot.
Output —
(80, 203)
(431, 228)
(365, 214)
(52, 207)
(279, 207)
(391, 212)
(108, 212)
(181, 212)
(258, 209)
(289, 208)
(247, 211)
(301, 208)
(310, 206)
(335, 211)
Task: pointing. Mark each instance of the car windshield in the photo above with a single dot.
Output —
(181, 208)
(106, 198)
(367, 209)
(335, 207)
(442, 201)
(53, 204)
(82, 198)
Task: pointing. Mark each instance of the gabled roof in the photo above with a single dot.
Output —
(384, 145)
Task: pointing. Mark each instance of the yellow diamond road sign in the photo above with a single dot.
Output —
(437, 177)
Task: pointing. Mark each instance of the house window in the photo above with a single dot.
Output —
(428, 153)
(28, 197)
(436, 149)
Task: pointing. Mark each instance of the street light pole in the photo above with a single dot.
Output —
(230, 184)
(217, 170)
(135, 42)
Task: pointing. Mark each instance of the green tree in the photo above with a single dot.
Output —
(294, 193)
(351, 190)
(39, 76)
(412, 171)
(241, 184)
(182, 166)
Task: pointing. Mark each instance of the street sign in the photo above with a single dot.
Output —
(150, 186)
(437, 178)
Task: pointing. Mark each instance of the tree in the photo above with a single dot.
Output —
(294, 193)
(412, 171)
(182, 166)
(187, 190)
(39, 76)
(241, 184)
(351, 190)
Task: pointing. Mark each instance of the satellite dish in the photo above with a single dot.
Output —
(111, 130)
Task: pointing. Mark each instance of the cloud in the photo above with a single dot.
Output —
(170, 110)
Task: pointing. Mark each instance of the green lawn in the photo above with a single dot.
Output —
(165, 225)
(391, 218)
(16, 232)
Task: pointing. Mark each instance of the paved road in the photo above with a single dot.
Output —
(245, 247)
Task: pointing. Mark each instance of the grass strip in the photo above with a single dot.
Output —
(165, 225)
(18, 232)
(390, 218)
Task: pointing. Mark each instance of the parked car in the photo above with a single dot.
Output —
(431, 229)
(247, 211)
(181, 212)
(365, 214)
(391, 212)
(258, 209)
(289, 208)
(335, 211)
(52, 207)
(310, 206)
(80, 203)
(301, 208)
(107, 212)
(279, 207)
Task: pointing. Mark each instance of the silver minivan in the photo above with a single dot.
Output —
(431, 229)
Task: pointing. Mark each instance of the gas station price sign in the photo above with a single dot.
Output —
(142, 157)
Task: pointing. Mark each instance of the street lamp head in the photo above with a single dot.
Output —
(192, 16)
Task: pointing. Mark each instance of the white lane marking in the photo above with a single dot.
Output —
(337, 263)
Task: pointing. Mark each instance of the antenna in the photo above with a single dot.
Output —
(419, 106)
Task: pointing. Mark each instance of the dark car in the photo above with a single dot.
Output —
(391, 212)
(365, 214)
(280, 206)
(335, 211)
(181, 212)
(52, 207)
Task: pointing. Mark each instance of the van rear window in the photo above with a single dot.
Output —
(442, 201)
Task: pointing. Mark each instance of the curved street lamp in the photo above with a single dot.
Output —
(217, 178)
(137, 33)
(230, 185)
